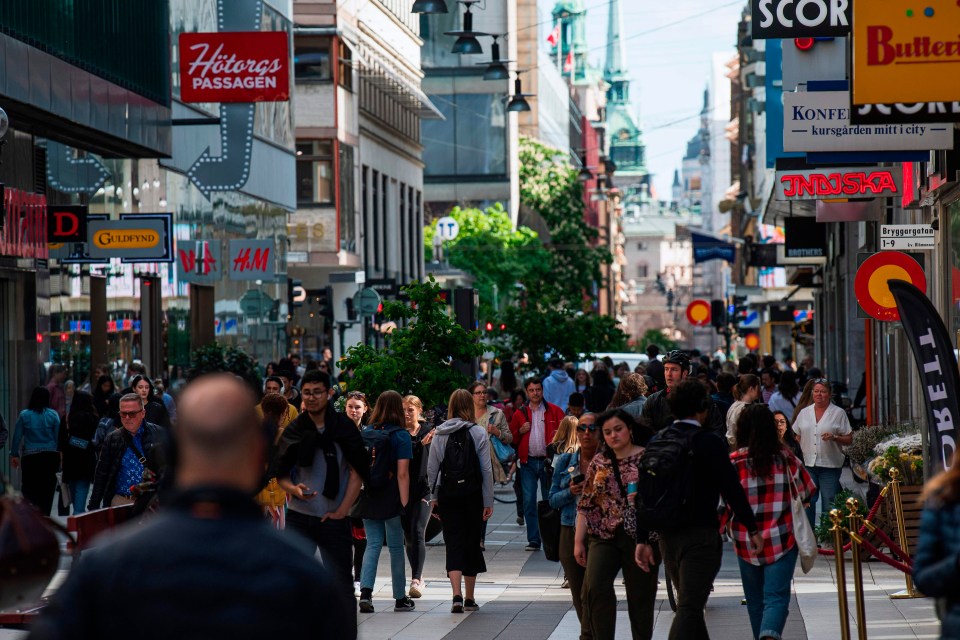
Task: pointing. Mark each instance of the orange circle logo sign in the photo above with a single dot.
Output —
(872, 287)
(698, 313)
(751, 341)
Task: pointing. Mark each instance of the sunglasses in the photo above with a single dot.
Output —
(589, 427)
(359, 395)
(130, 414)
(821, 381)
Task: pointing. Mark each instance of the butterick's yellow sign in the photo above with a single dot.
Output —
(906, 51)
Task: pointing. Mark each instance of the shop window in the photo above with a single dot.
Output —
(347, 213)
(312, 65)
(315, 181)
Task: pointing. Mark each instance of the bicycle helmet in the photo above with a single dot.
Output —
(679, 358)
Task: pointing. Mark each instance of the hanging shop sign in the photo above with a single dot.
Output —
(698, 313)
(804, 239)
(24, 231)
(933, 352)
(66, 223)
(900, 55)
(78, 252)
(822, 184)
(916, 237)
(251, 260)
(800, 18)
(871, 285)
(852, 211)
(707, 248)
(131, 238)
(199, 262)
(819, 121)
(235, 67)
(905, 113)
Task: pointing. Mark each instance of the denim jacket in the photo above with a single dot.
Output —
(560, 496)
(936, 564)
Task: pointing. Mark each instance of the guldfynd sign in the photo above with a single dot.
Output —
(235, 67)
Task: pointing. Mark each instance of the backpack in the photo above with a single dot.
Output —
(460, 469)
(665, 468)
(376, 440)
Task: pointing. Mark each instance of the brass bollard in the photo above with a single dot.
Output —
(853, 523)
(837, 530)
(910, 591)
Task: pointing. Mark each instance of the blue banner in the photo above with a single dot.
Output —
(707, 248)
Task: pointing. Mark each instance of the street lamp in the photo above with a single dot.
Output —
(518, 101)
(467, 42)
(429, 6)
(496, 67)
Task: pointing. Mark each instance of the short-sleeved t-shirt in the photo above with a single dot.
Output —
(401, 444)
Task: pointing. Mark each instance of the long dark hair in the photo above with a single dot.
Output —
(389, 409)
(39, 399)
(763, 442)
(788, 385)
(789, 437)
(508, 378)
(98, 388)
(640, 434)
(82, 403)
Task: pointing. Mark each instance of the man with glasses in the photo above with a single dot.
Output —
(126, 454)
(322, 464)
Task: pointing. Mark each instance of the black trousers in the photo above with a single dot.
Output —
(462, 523)
(414, 520)
(692, 557)
(39, 479)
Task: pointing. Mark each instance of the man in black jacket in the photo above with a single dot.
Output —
(126, 453)
(656, 413)
(692, 550)
(322, 464)
(209, 565)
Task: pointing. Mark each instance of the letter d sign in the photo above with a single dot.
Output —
(66, 223)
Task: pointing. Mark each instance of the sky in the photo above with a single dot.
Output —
(668, 66)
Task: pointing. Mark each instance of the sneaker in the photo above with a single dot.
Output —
(356, 588)
(566, 584)
(532, 547)
(470, 605)
(366, 600)
(520, 520)
(457, 605)
(416, 589)
(404, 604)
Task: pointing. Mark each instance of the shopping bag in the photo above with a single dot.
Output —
(802, 531)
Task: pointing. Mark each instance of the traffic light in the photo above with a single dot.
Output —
(740, 311)
(489, 327)
(322, 299)
(718, 313)
(295, 294)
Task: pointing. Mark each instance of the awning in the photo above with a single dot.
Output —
(379, 72)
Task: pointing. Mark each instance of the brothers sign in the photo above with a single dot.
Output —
(235, 67)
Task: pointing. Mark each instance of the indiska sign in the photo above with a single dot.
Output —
(235, 67)
(800, 18)
(824, 184)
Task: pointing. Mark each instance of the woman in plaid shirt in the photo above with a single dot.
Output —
(765, 467)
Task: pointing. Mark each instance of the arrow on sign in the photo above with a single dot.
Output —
(70, 174)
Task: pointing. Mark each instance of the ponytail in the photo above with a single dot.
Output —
(747, 381)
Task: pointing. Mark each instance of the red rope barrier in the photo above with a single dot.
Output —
(879, 555)
(863, 528)
(894, 547)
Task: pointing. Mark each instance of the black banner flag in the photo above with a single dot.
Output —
(933, 352)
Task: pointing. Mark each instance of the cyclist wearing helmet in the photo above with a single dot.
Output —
(656, 412)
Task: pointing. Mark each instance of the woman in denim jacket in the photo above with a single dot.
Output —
(564, 496)
(936, 565)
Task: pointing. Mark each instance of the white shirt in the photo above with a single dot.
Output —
(817, 452)
(538, 433)
(733, 413)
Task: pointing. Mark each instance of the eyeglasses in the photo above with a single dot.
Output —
(821, 381)
(313, 394)
(130, 414)
(587, 427)
(479, 393)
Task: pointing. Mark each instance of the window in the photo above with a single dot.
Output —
(345, 66)
(642, 271)
(472, 140)
(365, 212)
(641, 246)
(385, 224)
(403, 220)
(375, 219)
(347, 213)
(315, 172)
(312, 65)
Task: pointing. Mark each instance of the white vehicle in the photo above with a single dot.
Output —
(631, 358)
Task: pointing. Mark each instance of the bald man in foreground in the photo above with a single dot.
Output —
(208, 565)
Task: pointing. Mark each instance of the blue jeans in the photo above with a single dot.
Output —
(79, 489)
(377, 530)
(827, 480)
(767, 588)
(532, 473)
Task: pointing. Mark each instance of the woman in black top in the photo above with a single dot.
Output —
(787, 436)
(104, 388)
(155, 411)
(417, 513)
(79, 453)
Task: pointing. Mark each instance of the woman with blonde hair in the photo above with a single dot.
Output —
(565, 439)
(461, 481)
(417, 513)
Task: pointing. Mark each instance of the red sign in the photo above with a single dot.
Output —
(812, 185)
(25, 229)
(872, 288)
(751, 341)
(66, 223)
(698, 313)
(235, 67)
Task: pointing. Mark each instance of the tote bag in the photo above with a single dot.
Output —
(802, 531)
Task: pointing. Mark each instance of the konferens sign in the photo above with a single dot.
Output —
(819, 121)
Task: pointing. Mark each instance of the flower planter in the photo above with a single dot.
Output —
(912, 507)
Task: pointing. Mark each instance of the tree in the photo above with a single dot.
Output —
(216, 358)
(657, 337)
(559, 332)
(420, 356)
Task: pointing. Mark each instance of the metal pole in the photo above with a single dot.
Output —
(853, 524)
(837, 531)
(910, 591)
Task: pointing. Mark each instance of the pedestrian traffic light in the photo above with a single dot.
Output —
(296, 295)
(321, 300)
(718, 313)
(740, 311)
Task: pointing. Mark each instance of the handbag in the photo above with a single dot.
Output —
(802, 531)
(272, 495)
(504, 452)
(549, 520)
(79, 443)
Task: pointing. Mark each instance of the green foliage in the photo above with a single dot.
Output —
(419, 355)
(822, 530)
(490, 249)
(564, 332)
(657, 337)
(216, 357)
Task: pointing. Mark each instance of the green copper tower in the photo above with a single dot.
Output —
(627, 149)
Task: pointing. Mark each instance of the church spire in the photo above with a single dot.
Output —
(616, 59)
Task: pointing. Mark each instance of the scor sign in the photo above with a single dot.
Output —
(234, 67)
(800, 18)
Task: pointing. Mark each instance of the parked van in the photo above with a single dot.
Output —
(631, 358)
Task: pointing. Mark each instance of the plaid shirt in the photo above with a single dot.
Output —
(770, 498)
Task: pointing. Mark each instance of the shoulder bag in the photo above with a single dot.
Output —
(802, 531)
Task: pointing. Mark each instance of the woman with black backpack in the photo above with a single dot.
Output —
(461, 481)
(385, 496)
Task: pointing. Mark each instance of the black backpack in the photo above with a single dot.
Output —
(666, 469)
(460, 474)
(376, 439)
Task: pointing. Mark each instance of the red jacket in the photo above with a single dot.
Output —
(552, 416)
